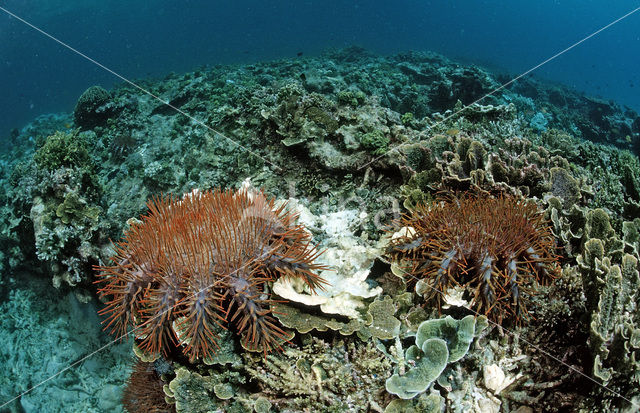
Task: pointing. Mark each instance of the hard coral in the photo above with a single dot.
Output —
(64, 149)
(496, 249)
(203, 262)
(91, 109)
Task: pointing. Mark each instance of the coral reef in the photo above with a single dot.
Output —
(378, 321)
(63, 150)
(611, 282)
(323, 376)
(336, 136)
(438, 343)
(92, 108)
(192, 392)
(57, 202)
(496, 249)
(432, 403)
(427, 362)
(202, 261)
(301, 128)
(327, 376)
(347, 260)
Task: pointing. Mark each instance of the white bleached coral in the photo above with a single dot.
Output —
(495, 379)
(348, 257)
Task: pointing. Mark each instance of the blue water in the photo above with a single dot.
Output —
(154, 37)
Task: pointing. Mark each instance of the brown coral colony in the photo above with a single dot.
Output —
(496, 249)
(204, 262)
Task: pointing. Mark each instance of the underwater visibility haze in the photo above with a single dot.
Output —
(348, 206)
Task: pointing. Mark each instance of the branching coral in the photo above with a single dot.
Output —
(336, 376)
(203, 262)
(495, 248)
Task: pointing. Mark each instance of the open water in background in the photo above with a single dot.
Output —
(154, 37)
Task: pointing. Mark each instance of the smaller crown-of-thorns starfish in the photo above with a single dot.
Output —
(203, 262)
(496, 249)
(144, 393)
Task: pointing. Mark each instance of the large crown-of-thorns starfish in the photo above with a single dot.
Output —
(496, 249)
(203, 262)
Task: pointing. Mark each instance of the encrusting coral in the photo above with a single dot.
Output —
(496, 248)
(203, 262)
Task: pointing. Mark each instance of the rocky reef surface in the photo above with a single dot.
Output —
(350, 141)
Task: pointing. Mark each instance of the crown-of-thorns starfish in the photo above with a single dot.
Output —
(203, 262)
(497, 249)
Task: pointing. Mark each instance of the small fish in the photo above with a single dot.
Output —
(303, 77)
(453, 132)
(299, 54)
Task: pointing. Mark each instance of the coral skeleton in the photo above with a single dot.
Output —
(195, 265)
(496, 249)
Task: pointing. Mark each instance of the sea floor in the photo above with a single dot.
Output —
(48, 333)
